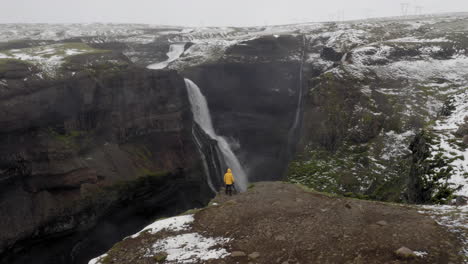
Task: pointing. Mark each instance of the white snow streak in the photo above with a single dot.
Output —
(97, 260)
(178, 223)
(175, 51)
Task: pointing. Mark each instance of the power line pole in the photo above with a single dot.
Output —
(341, 15)
(404, 9)
(418, 10)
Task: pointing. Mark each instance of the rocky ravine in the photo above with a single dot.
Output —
(353, 95)
(284, 223)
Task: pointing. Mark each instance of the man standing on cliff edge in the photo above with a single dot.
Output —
(229, 181)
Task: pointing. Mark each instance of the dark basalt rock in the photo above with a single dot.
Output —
(331, 55)
(462, 129)
(15, 69)
(73, 148)
(417, 191)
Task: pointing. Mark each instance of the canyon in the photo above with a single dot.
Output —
(99, 131)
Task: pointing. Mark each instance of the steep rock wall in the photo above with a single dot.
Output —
(72, 147)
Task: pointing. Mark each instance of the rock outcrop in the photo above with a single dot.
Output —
(78, 148)
(317, 229)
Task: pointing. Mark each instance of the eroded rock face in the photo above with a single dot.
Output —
(71, 146)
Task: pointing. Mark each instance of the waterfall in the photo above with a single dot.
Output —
(175, 51)
(297, 118)
(202, 117)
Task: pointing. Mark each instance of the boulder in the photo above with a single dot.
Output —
(254, 255)
(331, 55)
(405, 253)
(382, 223)
(461, 200)
(462, 130)
(465, 140)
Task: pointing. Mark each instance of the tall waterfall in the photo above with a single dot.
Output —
(202, 116)
(293, 131)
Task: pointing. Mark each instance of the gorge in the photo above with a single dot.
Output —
(106, 128)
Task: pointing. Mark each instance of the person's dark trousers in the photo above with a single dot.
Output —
(229, 189)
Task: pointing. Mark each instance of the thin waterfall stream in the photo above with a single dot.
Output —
(293, 131)
(202, 116)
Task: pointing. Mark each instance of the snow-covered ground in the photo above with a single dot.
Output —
(210, 42)
(178, 223)
(190, 248)
(454, 218)
(185, 246)
(48, 58)
(446, 143)
(57, 32)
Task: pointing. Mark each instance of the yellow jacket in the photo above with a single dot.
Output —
(228, 177)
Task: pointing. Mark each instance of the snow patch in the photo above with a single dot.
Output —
(455, 218)
(182, 248)
(97, 260)
(396, 144)
(71, 52)
(419, 40)
(175, 51)
(454, 70)
(420, 254)
(178, 223)
(190, 248)
(345, 37)
(48, 58)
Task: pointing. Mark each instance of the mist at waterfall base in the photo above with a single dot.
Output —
(202, 117)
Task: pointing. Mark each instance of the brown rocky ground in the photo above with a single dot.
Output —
(284, 223)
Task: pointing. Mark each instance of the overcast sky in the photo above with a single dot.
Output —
(214, 12)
